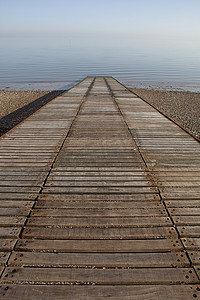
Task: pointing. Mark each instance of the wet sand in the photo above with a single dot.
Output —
(182, 107)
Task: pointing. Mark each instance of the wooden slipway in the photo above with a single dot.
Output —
(99, 198)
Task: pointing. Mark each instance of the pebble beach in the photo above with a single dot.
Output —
(13, 100)
(182, 107)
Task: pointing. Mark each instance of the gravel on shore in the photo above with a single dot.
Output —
(12, 100)
(182, 107)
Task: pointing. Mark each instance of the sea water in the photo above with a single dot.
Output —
(58, 62)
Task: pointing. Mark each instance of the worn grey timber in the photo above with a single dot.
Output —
(99, 198)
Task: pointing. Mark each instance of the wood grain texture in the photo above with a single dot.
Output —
(99, 198)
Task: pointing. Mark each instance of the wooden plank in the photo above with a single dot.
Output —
(95, 164)
(189, 231)
(1, 269)
(13, 211)
(9, 232)
(102, 183)
(100, 246)
(181, 190)
(93, 160)
(183, 203)
(181, 195)
(12, 221)
(191, 243)
(185, 211)
(179, 174)
(99, 151)
(180, 184)
(3, 258)
(16, 203)
(99, 222)
(98, 174)
(92, 177)
(187, 220)
(93, 190)
(99, 154)
(100, 276)
(7, 244)
(24, 164)
(18, 196)
(27, 169)
(135, 260)
(97, 159)
(99, 212)
(133, 292)
(20, 189)
(20, 183)
(197, 270)
(98, 204)
(100, 233)
(22, 176)
(97, 197)
(195, 257)
(27, 160)
(179, 178)
(100, 169)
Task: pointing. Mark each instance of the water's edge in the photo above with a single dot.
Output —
(65, 85)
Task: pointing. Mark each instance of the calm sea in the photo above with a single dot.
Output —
(59, 62)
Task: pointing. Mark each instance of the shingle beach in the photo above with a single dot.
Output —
(182, 107)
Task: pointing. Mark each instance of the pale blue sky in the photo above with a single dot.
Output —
(156, 18)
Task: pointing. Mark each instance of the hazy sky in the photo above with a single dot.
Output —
(159, 18)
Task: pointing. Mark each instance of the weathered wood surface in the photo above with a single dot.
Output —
(99, 190)
(101, 222)
(136, 260)
(100, 276)
(80, 292)
(100, 246)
